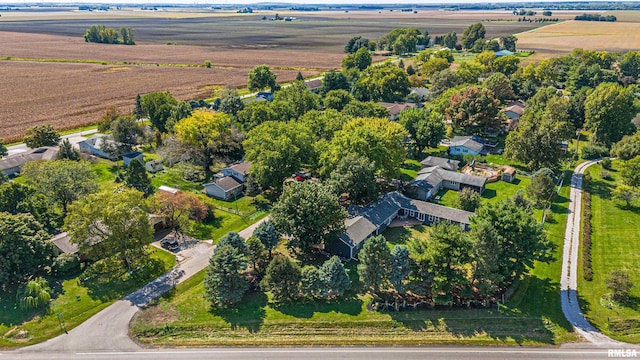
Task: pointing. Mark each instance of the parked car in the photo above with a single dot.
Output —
(170, 244)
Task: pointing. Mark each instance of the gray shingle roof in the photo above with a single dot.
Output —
(242, 168)
(18, 160)
(470, 142)
(447, 164)
(227, 183)
(434, 175)
(63, 242)
(442, 212)
(357, 230)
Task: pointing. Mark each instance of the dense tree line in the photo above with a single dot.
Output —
(595, 17)
(104, 35)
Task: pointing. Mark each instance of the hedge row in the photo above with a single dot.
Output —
(586, 226)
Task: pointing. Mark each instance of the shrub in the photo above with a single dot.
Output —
(605, 175)
(606, 163)
(587, 272)
(66, 264)
(207, 64)
(34, 295)
(593, 152)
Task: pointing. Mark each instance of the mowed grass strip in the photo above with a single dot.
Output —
(615, 239)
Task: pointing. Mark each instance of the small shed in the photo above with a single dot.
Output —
(508, 174)
(153, 166)
(133, 155)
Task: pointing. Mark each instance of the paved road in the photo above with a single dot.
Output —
(355, 353)
(74, 138)
(108, 329)
(569, 275)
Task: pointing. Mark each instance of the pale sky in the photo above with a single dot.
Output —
(315, 2)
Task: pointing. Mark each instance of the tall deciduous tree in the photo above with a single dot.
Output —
(299, 97)
(500, 85)
(375, 263)
(625, 193)
(25, 249)
(62, 181)
(365, 109)
(379, 140)
(126, 131)
(542, 187)
(472, 34)
(111, 223)
(468, 199)
(631, 172)
(509, 42)
(230, 102)
(18, 198)
(276, 150)
(282, 279)
(360, 60)
(157, 106)
(382, 83)
(261, 77)
(42, 135)
(425, 126)
(207, 132)
(334, 80)
(225, 284)
(474, 107)
(609, 110)
(309, 213)
(355, 176)
(337, 99)
(450, 40)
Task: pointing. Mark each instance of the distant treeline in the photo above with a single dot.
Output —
(596, 17)
(104, 35)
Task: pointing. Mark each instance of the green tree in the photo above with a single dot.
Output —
(360, 60)
(337, 99)
(627, 148)
(444, 80)
(67, 151)
(472, 34)
(355, 176)
(434, 65)
(256, 252)
(474, 107)
(41, 135)
(335, 278)
(230, 102)
(234, 240)
(450, 40)
(609, 110)
(208, 133)
(126, 131)
(138, 111)
(16, 198)
(506, 65)
(374, 263)
(542, 187)
(509, 42)
(254, 114)
(382, 83)
(3, 149)
(178, 209)
(261, 77)
(425, 126)
(365, 109)
(631, 172)
(282, 279)
(25, 250)
(625, 193)
(276, 150)
(225, 284)
(62, 181)
(485, 257)
(266, 233)
(299, 77)
(157, 106)
(470, 71)
(630, 64)
(500, 85)
(309, 213)
(118, 227)
(299, 97)
(311, 285)
(520, 239)
(379, 140)
(180, 111)
(334, 80)
(34, 295)
(400, 268)
(135, 177)
(127, 36)
(619, 282)
(468, 199)
(355, 43)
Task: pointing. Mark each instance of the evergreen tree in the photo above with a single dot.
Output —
(335, 278)
(299, 77)
(468, 199)
(375, 259)
(136, 177)
(234, 240)
(256, 251)
(3, 149)
(138, 111)
(224, 284)
(282, 279)
(400, 267)
(267, 235)
(41, 135)
(542, 187)
(67, 151)
(311, 285)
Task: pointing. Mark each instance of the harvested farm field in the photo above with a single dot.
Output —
(71, 95)
(560, 39)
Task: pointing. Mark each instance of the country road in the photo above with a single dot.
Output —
(108, 330)
(569, 274)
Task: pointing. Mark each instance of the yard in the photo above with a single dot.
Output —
(614, 239)
(77, 301)
(494, 192)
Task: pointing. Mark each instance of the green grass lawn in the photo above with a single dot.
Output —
(614, 239)
(493, 192)
(76, 301)
(223, 223)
